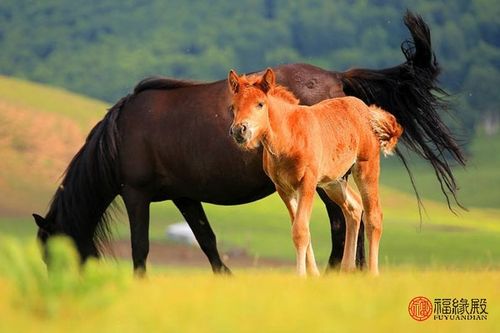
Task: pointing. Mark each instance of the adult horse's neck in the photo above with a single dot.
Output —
(76, 215)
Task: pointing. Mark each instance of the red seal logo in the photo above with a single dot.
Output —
(420, 308)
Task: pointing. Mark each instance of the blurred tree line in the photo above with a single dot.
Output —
(101, 48)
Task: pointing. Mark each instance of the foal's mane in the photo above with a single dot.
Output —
(277, 91)
(283, 94)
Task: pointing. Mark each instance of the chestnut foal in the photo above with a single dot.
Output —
(319, 145)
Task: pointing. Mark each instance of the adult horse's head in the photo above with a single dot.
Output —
(250, 107)
(46, 228)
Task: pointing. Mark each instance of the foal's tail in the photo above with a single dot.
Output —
(386, 128)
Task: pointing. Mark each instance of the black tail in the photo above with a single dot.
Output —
(411, 93)
(89, 186)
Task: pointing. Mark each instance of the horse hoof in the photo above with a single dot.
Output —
(140, 273)
(223, 270)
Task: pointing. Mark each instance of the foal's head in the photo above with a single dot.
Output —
(250, 107)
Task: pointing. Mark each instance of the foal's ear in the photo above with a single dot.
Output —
(40, 222)
(234, 81)
(268, 80)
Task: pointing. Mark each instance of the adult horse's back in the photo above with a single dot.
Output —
(169, 141)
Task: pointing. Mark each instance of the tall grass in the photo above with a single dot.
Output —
(44, 292)
(102, 297)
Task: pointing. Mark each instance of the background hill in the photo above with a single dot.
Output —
(41, 128)
(102, 47)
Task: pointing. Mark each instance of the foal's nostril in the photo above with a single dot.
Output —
(239, 132)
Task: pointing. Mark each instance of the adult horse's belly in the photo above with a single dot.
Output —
(222, 177)
(184, 150)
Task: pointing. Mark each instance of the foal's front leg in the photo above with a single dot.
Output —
(300, 229)
(291, 204)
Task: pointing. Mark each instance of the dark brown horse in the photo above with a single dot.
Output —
(165, 142)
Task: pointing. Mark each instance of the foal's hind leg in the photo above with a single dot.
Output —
(337, 232)
(137, 205)
(195, 216)
(350, 203)
(366, 175)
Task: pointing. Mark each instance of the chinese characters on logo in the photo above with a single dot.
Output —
(460, 309)
(421, 308)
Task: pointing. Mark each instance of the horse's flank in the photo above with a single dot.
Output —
(332, 123)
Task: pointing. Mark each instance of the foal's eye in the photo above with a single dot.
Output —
(260, 105)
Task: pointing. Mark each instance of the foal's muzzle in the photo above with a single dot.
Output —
(240, 132)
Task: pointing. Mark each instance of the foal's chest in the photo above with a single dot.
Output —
(285, 172)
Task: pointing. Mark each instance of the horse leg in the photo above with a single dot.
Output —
(195, 216)
(337, 231)
(137, 205)
(312, 268)
(350, 203)
(300, 228)
(366, 175)
(291, 204)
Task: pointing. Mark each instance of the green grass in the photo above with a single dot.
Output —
(479, 181)
(268, 302)
(103, 297)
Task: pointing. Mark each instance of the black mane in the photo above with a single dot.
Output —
(89, 186)
(162, 83)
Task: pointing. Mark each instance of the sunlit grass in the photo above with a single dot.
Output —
(103, 297)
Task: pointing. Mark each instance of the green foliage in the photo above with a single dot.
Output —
(45, 290)
(102, 48)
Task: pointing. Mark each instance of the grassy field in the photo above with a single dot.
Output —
(105, 298)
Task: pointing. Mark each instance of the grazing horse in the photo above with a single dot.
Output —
(316, 146)
(168, 140)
